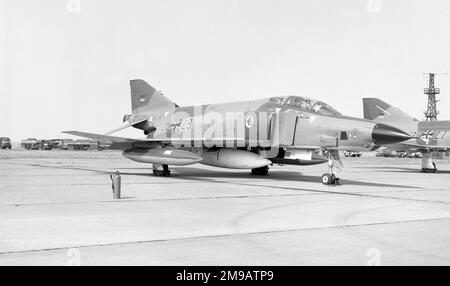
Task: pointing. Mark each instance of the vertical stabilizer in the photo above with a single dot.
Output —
(145, 98)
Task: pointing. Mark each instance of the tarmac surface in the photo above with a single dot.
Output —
(56, 208)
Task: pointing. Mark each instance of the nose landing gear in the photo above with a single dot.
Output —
(330, 178)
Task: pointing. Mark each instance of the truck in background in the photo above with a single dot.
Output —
(30, 144)
(62, 144)
(5, 143)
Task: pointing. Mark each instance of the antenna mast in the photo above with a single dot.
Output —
(431, 113)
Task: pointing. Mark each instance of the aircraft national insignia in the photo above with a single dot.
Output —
(249, 121)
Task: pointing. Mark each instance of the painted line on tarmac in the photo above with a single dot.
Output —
(330, 192)
(197, 179)
(219, 236)
(125, 200)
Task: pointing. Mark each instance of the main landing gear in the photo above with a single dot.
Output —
(262, 171)
(160, 170)
(330, 178)
(428, 166)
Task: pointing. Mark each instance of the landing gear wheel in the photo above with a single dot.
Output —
(262, 171)
(330, 179)
(165, 172)
(326, 179)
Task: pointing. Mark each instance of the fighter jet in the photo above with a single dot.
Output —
(254, 134)
(428, 136)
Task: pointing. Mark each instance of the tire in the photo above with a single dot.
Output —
(429, 171)
(327, 179)
(263, 171)
(165, 172)
(158, 173)
(161, 173)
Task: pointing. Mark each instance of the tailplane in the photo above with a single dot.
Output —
(145, 98)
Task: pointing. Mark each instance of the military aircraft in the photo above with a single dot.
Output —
(428, 136)
(243, 135)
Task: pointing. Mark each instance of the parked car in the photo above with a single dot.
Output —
(5, 143)
(352, 154)
(415, 155)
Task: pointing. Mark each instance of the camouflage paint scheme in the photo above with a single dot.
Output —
(285, 130)
(306, 122)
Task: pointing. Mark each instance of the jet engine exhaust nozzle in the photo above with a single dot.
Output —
(383, 134)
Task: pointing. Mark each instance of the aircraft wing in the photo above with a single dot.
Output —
(124, 143)
(114, 142)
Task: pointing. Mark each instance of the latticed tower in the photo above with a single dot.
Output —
(431, 112)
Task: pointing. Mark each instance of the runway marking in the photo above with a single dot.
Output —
(197, 179)
(125, 200)
(331, 192)
(219, 236)
(95, 184)
(343, 219)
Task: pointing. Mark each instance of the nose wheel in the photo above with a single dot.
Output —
(330, 179)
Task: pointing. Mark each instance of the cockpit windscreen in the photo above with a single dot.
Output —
(306, 104)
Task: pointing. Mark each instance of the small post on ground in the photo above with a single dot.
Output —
(115, 179)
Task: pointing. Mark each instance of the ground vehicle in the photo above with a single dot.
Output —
(62, 144)
(5, 143)
(102, 146)
(352, 154)
(46, 145)
(86, 145)
(387, 153)
(30, 144)
(414, 155)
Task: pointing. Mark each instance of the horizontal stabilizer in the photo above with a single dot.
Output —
(126, 126)
(102, 138)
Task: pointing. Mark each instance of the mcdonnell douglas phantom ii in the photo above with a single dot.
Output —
(254, 134)
(428, 136)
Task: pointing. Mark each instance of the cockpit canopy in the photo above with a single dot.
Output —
(306, 104)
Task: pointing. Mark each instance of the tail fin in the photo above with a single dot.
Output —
(146, 98)
(377, 110)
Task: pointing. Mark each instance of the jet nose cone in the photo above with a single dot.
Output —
(384, 134)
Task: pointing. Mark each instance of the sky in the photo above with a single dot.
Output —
(66, 64)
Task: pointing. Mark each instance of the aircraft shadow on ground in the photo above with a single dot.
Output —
(402, 170)
(190, 173)
(197, 174)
